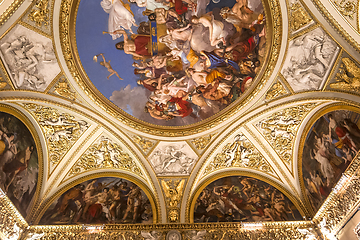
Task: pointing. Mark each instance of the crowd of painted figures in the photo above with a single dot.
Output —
(331, 146)
(98, 201)
(202, 59)
(247, 199)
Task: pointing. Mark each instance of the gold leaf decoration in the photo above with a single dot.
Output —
(275, 91)
(61, 129)
(143, 143)
(173, 191)
(298, 17)
(347, 77)
(346, 7)
(63, 89)
(105, 153)
(281, 128)
(201, 142)
(239, 153)
(40, 15)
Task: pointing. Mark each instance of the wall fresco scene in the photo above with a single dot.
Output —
(101, 200)
(18, 162)
(329, 148)
(245, 199)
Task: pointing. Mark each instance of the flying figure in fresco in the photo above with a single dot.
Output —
(107, 65)
(120, 17)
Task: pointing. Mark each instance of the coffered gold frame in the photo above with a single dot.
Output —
(69, 48)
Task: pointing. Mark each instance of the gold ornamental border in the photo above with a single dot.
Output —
(139, 183)
(10, 11)
(324, 110)
(190, 208)
(68, 43)
(25, 120)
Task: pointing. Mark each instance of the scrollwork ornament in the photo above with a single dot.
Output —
(239, 153)
(63, 89)
(61, 129)
(281, 127)
(173, 191)
(105, 153)
(143, 143)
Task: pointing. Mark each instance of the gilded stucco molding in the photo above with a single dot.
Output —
(146, 145)
(280, 129)
(299, 17)
(240, 152)
(61, 130)
(347, 8)
(202, 142)
(10, 11)
(208, 231)
(12, 224)
(63, 89)
(343, 199)
(104, 153)
(275, 91)
(173, 192)
(348, 76)
(68, 12)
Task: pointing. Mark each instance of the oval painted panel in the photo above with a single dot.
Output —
(101, 200)
(329, 148)
(171, 62)
(245, 199)
(18, 162)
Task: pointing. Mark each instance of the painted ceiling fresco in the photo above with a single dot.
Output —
(182, 62)
(122, 112)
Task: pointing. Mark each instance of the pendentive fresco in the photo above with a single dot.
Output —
(329, 148)
(171, 62)
(18, 162)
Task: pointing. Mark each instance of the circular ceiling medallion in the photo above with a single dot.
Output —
(170, 63)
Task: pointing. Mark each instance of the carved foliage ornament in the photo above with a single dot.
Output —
(298, 17)
(104, 154)
(239, 153)
(145, 144)
(40, 15)
(281, 127)
(61, 129)
(63, 89)
(348, 76)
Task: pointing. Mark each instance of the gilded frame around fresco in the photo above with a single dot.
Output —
(324, 110)
(68, 44)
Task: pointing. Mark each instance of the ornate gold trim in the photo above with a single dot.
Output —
(10, 11)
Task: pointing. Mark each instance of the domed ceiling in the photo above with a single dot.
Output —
(155, 112)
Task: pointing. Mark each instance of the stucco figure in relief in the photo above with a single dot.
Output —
(309, 60)
(330, 146)
(30, 59)
(173, 158)
(186, 61)
(100, 200)
(239, 198)
(18, 162)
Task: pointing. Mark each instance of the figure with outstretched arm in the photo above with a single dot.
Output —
(139, 47)
(108, 66)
